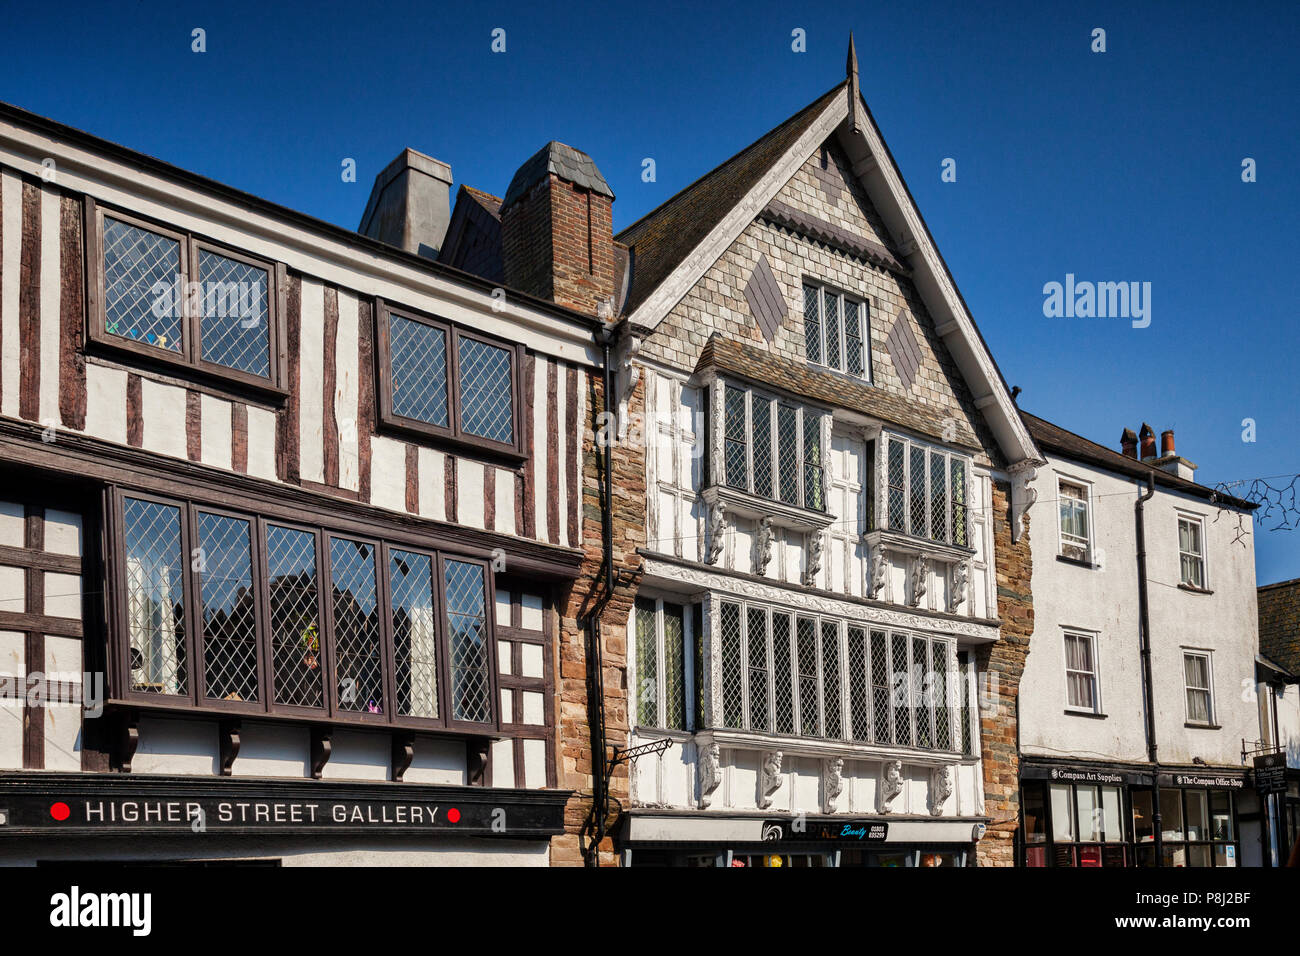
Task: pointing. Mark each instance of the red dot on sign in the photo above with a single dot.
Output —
(453, 815)
(60, 811)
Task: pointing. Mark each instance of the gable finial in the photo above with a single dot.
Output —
(851, 68)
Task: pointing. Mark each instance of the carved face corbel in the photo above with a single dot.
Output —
(717, 527)
(764, 556)
(920, 579)
(832, 783)
(891, 783)
(708, 769)
(876, 573)
(769, 780)
(940, 788)
(816, 543)
(958, 581)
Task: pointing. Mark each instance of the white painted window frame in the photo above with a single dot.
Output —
(1199, 522)
(1092, 638)
(1211, 707)
(1087, 487)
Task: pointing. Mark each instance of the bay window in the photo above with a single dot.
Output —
(824, 677)
(926, 491)
(439, 380)
(226, 611)
(772, 448)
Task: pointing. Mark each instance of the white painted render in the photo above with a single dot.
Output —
(1102, 599)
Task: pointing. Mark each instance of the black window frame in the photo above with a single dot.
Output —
(453, 434)
(189, 360)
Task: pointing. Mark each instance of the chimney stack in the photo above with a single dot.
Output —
(1170, 460)
(410, 204)
(557, 230)
(1128, 443)
(1147, 435)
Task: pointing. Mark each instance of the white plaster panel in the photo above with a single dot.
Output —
(11, 241)
(347, 369)
(311, 381)
(177, 746)
(13, 524)
(62, 594)
(503, 763)
(63, 532)
(13, 589)
(433, 476)
(51, 290)
(358, 756)
(505, 501)
(388, 473)
(437, 761)
(535, 764)
(106, 403)
(261, 443)
(214, 429)
(162, 409)
(469, 492)
(272, 750)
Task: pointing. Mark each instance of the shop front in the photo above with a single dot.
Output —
(673, 838)
(1105, 816)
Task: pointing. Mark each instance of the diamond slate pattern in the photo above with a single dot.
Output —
(765, 298)
(902, 348)
(135, 260)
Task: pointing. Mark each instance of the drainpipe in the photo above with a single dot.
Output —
(594, 828)
(1144, 634)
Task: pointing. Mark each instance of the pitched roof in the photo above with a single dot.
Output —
(661, 239)
(489, 202)
(1279, 624)
(473, 240)
(1050, 437)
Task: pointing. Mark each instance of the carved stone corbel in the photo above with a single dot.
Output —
(403, 752)
(876, 573)
(626, 377)
(717, 525)
(769, 779)
(832, 782)
(891, 783)
(816, 542)
(708, 768)
(957, 585)
(321, 747)
(126, 739)
(476, 761)
(1023, 496)
(920, 576)
(940, 788)
(764, 556)
(228, 733)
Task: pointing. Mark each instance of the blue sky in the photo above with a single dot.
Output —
(1115, 166)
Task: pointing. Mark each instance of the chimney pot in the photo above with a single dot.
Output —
(1167, 443)
(1147, 436)
(1128, 443)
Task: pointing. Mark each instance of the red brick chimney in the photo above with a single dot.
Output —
(1147, 435)
(1171, 461)
(1167, 443)
(557, 230)
(1128, 443)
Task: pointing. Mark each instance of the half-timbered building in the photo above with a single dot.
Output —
(289, 517)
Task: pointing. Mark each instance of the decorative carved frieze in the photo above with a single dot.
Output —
(717, 525)
(891, 783)
(959, 579)
(764, 556)
(816, 542)
(769, 780)
(920, 577)
(832, 783)
(708, 769)
(940, 788)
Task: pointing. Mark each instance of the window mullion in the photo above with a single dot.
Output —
(661, 661)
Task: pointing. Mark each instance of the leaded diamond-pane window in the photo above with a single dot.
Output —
(228, 601)
(414, 618)
(233, 324)
(812, 323)
(810, 711)
(787, 443)
(295, 617)
(782, 673)
(756, 651)
(927, 493)
(735, 437)
(813, 472)
(831, 678)
(486, 391)
(853, 316)
(881, 683)
(733, 686)
(183, 301)
(155, 596)
(356, 626)
(466, 596)
(922, 692)
(674, 667)
(438, 380)
(762, 432)
(141, 269)
(859, 693)
(419, 370)
(900, 689)
(647, 664)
